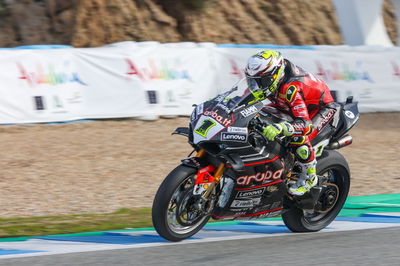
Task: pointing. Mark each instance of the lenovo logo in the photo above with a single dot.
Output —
(233, 137)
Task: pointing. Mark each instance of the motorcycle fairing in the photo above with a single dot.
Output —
(183, 131)
(261, 194)
(257, 191)
(205, 129)
(255, 172)
(349, 115)
(216, 125)
(216, 119)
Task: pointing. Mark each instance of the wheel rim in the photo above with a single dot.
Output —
(179, 213)
(330, 197)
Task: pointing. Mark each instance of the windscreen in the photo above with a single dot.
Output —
(240, 94)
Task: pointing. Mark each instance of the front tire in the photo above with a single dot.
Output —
(173, 215)
(335, 168)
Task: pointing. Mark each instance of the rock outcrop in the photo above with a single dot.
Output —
(87, 23)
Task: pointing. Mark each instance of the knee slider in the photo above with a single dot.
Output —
(303, 152)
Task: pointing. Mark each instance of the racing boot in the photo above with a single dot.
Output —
(308, 179)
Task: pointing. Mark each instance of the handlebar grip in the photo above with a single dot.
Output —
(280, 140)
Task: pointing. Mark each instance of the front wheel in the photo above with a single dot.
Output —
(178, 214)
(333, 168)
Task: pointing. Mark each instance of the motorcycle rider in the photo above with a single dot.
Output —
(297, 93)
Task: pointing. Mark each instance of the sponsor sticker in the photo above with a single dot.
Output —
(250, 193)
(242, 204)
(237, 130)
(203, 129)
(349, 114)
(199, 109)
(219, 118)
(326, 119)
(290, 93)
(206, 128)
(250, 203)
(259, 177)
(249, 111)
(234, 137)
(256, 201)
(241, 209)
(299, 106)
(194, 115)
(223, 107)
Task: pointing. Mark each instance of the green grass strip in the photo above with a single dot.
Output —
(18, 229)
(76, 223)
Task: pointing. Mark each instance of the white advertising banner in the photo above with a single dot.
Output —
(371, 75)
(141, 79)
(36, 87)
(123, 81)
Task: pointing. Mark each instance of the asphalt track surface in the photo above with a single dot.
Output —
(360, 247)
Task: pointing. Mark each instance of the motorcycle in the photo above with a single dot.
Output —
(237, 174)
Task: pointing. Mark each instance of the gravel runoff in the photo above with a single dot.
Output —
(103, 166)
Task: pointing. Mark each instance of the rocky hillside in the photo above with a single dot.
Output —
(85, 23)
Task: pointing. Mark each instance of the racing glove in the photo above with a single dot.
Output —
(272, 131)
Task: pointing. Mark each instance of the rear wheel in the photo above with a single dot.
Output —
(334, 170)
(178, 214)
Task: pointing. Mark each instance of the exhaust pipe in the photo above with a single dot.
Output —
(345, 141)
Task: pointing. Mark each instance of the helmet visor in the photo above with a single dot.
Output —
(260, 83)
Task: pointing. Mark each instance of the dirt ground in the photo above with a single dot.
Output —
(106, 165)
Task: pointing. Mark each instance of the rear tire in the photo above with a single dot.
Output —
(174, 191)
(334, 166)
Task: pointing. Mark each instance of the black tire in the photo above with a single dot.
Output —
(335, 165)
(173, 186)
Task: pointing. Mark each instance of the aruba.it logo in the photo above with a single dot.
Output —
(49, 75)
(342, 72)
(153, 71)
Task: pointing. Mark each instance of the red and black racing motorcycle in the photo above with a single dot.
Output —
(237, 174)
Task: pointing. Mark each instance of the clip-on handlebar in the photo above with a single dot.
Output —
(258, 125)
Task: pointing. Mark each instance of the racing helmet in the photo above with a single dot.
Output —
(264, 71)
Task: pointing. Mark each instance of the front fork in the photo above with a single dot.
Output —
(216, 178)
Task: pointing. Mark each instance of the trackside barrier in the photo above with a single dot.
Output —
(150, 79)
